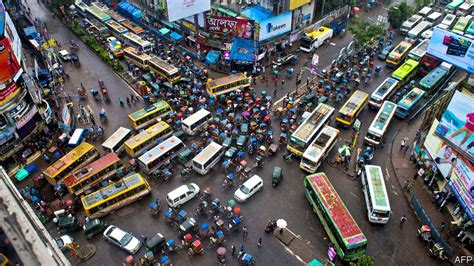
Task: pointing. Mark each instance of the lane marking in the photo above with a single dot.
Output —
(287, 249)
(352, 193)
(394, 192)
(387, 176)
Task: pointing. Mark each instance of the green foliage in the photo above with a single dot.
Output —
(55, 6)
(364, 32)
(421, 3)
(331, 5)
(397, 14)
(364, 260)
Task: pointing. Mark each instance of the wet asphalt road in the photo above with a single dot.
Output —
(387, 243)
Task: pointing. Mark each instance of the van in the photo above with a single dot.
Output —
(434, 18)
(447, 22)
(314, 39)
(248, 188)
(415, 33)
(181, 195)
(425, 11)
(410, 24)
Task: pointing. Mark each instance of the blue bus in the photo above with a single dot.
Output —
(408, 103)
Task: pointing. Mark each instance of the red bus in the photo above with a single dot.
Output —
(427, 63)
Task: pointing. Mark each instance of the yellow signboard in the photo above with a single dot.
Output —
(189, 25)
(294, 4)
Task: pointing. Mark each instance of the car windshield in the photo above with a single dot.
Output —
(190, 187)
(244, 189)
(125, 239)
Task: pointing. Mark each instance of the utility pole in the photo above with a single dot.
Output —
(322, 8)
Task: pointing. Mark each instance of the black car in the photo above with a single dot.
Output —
(94, 227)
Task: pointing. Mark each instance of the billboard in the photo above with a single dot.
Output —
(12, 34)
(236, 27)
(178, 9)
(9, 65)
(452, 48)
(297, 3)
(456, 126)
(8, 92)
(274, 26)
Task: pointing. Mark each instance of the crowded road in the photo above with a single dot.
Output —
(388, 244)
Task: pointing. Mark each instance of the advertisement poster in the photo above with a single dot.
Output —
(452, 48)
(457, 124)
(9, 66)
(297, 3)
(275, 26)
(178, 9)
(236, 27)
(8, 92)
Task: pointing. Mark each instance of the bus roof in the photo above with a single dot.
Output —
(316, 149)
(401, 48)
(76, 136)
(67, 159)
(98, 13)
(404, 70)
(116, 16)
(379, 197)
(433, 77)
(149, 109)
(100, 27)
(146, 134)
(382, 118)
(136, 39)
(159, 149)
(161, 64)
(196, 116)
(128, 182)
(334, 206)
(421, 48)
(320, 114)
(410, 97)
(470, 29)
(354, 102)
(455, 4)
(225, 80)
(133, 27)
(91, 169)
(116, 26)
(317, 33)
(210, 149)
(462, 23)
(384, 88)
(115, 137)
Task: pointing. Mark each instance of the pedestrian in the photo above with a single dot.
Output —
(282, 82)
(233, 250)
(254, 81)
(143, 238)
(403, 220)
(245, 232)
(242, 248)
(128, 100)
(275, 92)
(406, 148)
(442, 226)
(307, 82)
(275, 81)
(263, 70)
(259, 244)
(47, 159)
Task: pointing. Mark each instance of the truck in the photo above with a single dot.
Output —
(314, 39)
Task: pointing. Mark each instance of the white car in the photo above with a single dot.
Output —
(64, 55)
(63, 242)
(182, 194)
(248, 188)
(122, 239)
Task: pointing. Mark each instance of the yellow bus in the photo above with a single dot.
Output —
(92, 174)
(397, 55)
(351, 109)
(227, 84)
(73, 160)
(115, 196)
(132, 56)
(147, 138)
(149, 115)
(164, 69)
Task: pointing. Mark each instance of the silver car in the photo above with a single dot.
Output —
(122, 239)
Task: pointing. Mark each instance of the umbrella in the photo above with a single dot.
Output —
(264, 92)
(281, 223)
(355, 9)
(221, 251)
(344, 150)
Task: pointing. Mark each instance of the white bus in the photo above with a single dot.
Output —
(161, 153)
(447, 22)
(419, 51)
(382, 93)
(319, 149)
(115, 142)
(376, 197)
(379, 126)
(410, 24)
(415, 33)
(77, 137)
(196, 121)
(136, 41)
(435, 18)
(207, 158)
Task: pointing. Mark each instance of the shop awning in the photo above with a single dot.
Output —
(130, 10)
(212, 57)
(176, 36)
(257, 13)
(242, 50)
(227, 12)
(164, 31)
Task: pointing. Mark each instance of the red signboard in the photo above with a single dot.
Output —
(9, 65)
(8, 92)
(236, 27)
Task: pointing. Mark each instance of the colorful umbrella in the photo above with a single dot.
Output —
(344, 150)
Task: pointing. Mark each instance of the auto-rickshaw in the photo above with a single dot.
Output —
(188, 226)
(156, 243)
(154, 207)
(94, 227)
(259, 162)
(273, 148)
(227, 142)
(196, 248)
(244, 128)
(234, 224)
(284, 124)
(277, 175)
(247, 259)
(242, 165)
(283, 137)
(68, 224)
(180, 134)
(230, 153)
(185, 155)
(241, 141)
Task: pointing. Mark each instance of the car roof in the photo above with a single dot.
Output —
(116, 233)
(179, 190)
(253, 180)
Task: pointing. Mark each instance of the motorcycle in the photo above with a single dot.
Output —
(258, 162)
(424, 233)
(437, 250)
(102, 115)
(270, 226)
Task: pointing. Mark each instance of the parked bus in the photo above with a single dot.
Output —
(382, 93)
(115, 196)
(351, 109)
(397, 55)
(132, 27)
(319, 149)
(435, 78)
(139, 59)
(349, 241)
(465, 9)
(147, 138)
(375, 193)
(470, 30)
(435, 18)
(164, 69)
(149, 115)
(116, 16)
(410, 23)
(408, 103)
(425, 11)
(379, 126)
(137, 42)
(406, 71)
(451, 7)
(161, 153)
(414, 34)
(81, 8)
(427, 63)
(115, 142)
(196, 121)
(116, 29)
(89, 176)
(76, 158)
(227, 84)
(77, 137)
(98, 14)
(307, 130)
(207, 158)
(419, 51)
(461, 25)
(447, 22)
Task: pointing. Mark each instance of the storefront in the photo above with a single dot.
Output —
(242, 55)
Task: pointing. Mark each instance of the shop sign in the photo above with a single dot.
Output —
(236, 27)
(189, 25)
(26, 118)
(275, 26)
(9, 92)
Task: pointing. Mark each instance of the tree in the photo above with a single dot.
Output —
(364, 260)
(364, 32)
(405, 10)
(397, 14)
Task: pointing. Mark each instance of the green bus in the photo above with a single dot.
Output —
(349, 241)
(462, 24)
(433, 80)
(406, 71)
(470, 30)
(451, 7)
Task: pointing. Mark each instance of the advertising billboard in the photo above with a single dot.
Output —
(236, 27)
(297, 3)
(274, 26)
(8, 92)
(9, 65)
(12, 34)
(457, 124)
(178, 9)
(452, 48)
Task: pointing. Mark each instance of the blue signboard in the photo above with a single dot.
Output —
(275, 26)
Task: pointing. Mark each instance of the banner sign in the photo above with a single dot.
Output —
(236, 27)
(9, 65)
(7, 93)
(452, 48)
(178, 9)
(275, 26)
(26, 118)
(297, 3)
